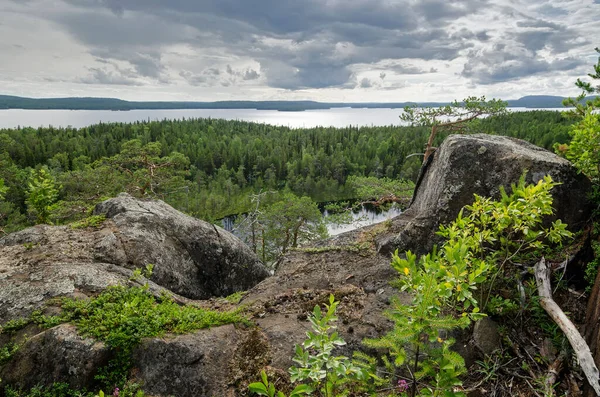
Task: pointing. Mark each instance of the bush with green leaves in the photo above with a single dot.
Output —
(42, 192)
(584, 149)
(10, 217)
(484, 238)
(121, 317)
(90, 221)
(319, 371)
(58, 389)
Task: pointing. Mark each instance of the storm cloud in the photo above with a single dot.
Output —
(273, 47)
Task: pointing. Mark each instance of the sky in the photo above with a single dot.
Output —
(322, 50)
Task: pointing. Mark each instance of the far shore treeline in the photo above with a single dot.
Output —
(89, 103)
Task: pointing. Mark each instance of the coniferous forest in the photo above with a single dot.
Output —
(211, 168)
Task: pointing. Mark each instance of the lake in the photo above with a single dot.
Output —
(364, 215)
(337, 117)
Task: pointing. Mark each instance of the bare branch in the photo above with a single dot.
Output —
(582, 350)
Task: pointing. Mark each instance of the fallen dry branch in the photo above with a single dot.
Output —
(553, 372)
(582, 350)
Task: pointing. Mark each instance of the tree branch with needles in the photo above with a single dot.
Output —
(455, 117)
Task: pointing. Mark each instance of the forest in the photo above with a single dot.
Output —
(210, 168)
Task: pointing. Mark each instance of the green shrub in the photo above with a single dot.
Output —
(318, 369)
(7, 352)
(13, 326)
(90, 221)
(485, 237)
(121, 317)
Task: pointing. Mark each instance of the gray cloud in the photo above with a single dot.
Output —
(109, 77)
(520, 52)
(375, 29)
(490, 68)
(315, 44)
(250, 74)
(213, 76)
(194, 79)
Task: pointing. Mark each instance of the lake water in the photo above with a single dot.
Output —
(363, 216)
(337, 117)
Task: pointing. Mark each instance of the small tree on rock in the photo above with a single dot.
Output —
(455, 117)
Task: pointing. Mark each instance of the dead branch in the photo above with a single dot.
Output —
(553, 371)
(582, 350)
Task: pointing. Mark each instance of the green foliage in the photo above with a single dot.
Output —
(591, 268)
(459, 113)
(583, 150)
(147, 172)
(138, 273)
(3, 189)
(61, 389)
(318, 370)
(455, 117)
(264, 388)
(121, 317)
(42, 193)
(582, 107)
(7, 351)
(541, 127)
(317, 365)
(13, 326)
(229, 161)
(54, 390)
(279, 223)
(236, 297)
(381, 190)
(90, 221)
(442, 283)
(501, 306)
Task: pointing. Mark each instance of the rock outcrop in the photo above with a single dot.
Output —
(191, 257)
(59, 353)
(353, 266)
(465, 165)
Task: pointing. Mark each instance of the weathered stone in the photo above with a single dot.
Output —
(187, 365)
(191, 257)
(56, 355)
(486, 335)
(465, 165)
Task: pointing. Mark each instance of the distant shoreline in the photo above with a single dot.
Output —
(15, 102)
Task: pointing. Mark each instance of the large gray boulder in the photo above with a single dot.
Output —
(465, 165)
(58, 354)
(191, 257)
(210, 362)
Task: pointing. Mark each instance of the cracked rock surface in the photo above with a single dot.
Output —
(191, 258)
